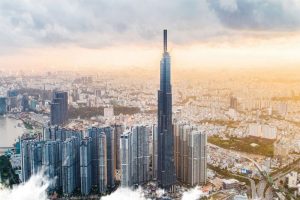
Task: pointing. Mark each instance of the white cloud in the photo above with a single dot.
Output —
(34, 189)
(98, 23)
(193, 194)
(126, 193)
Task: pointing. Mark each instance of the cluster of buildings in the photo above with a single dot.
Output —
(135, 156)
(14, 101)
(190, 154)
(263, 131)
(133, 149)
(101, 157)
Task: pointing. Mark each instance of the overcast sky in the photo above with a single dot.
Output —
(101, 33)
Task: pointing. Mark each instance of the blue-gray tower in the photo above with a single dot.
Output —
(166, 176)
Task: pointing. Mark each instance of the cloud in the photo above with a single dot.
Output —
(98, 23)
(102, 23)
(34, 189)
(228, 5)
(126, 193)
(266, 15)
(193, 194)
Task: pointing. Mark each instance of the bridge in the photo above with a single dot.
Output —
(7, 148)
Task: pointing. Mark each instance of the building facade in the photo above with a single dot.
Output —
(166, 176)
(86, 165)
(190, 154)
(70, 165)
(125, 159)
(197, 158)
(135, 157)
(52, 162)
(26, 159)
(59, 108)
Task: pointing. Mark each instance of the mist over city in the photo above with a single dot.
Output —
(122, 99)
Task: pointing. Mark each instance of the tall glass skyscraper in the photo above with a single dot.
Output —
(99, 158)
(26, 159)
(52, 162)
(86, 165)
(135, 157)
(70, 165)
(59, 108)
(197, 159)
(166, 176)
(125, 159)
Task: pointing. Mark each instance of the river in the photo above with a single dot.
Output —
(9, 131)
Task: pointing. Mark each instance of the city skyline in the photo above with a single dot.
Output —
(42, 35)
(96, 104)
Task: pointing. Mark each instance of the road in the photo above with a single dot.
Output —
(263, 186)
(252, 182)
(260, 188)
(258, 191)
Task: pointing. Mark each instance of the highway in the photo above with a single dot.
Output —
(257, 191)
(263, 186)
(252, 182)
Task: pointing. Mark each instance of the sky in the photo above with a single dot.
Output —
(78, 34)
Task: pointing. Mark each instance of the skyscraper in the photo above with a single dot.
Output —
(12, 99)
(86, 165)
(184, 132)
(70, 165)
(59, 108)
(52, 162)
(31, 157)
(25, 103)
(140, 159)
(197, 159)
(110, 153)
(125, 159)
(93, 133)
(190, 154)
(3, 105)
(26, 159)
(102, 163)
(36, 156)
(99, 158)
(166, 176)
(135, 157)
(118, 130)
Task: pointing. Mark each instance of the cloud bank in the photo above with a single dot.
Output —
(267, 15)
(125, 193)
(34, 189)
(101, 23)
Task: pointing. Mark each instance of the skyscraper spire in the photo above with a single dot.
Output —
(165, 40)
